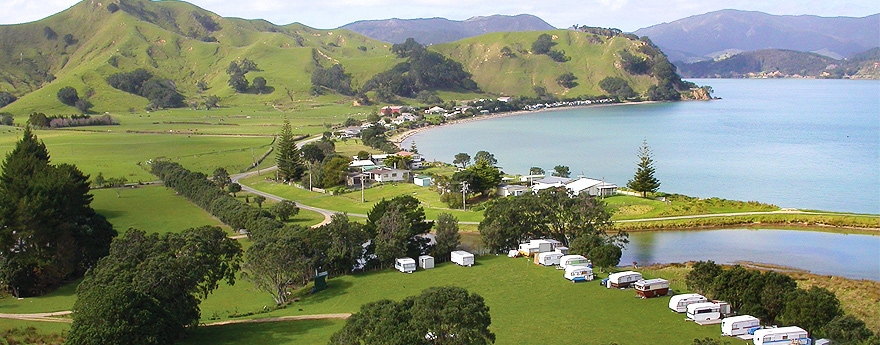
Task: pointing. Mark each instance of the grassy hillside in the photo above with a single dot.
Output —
(592, 59)
(85, 44)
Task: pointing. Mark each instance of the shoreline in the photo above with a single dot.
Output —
(399, 138)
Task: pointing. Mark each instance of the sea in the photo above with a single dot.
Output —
(796, 143)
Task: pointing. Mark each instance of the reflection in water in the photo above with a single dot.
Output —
(847, 255)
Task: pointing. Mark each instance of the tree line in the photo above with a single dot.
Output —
(776, 298)
(162, 93)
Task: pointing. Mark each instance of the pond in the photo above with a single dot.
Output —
(847, 255)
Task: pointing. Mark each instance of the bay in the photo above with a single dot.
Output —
(802, 143)
(846, 255)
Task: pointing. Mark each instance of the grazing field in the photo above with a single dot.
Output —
(154, 209)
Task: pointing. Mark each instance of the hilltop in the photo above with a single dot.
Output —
(785, 63)
(441, 30)
(190, 50)
(717, 33)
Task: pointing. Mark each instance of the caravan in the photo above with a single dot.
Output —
(679, 303)
(462, 258)
(548, 258)
(738, 325)
(782, 335)
(652, 287)
(579, 273)
(405, 265)
(707, 311)
(573, 260)
(622, 279)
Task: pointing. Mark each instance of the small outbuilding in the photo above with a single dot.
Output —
(623, 279)
(739, 325)
(405, 265)
(422, 180)
(679, 303)
(426, 261)
(462, 258)
(652, 287)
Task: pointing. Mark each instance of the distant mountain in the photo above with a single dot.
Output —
(785, 63)
(429, 31)
(714, 34)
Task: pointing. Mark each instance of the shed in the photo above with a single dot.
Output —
(652, 287)
(405, 265)
(426, 261)
(462, 258)
(422, 181)
(738, 325)
(623, 279)
(782, 335)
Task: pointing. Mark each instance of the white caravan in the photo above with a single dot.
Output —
(462, 258)
(782, 335)
(405, 265)
(738, 325)
(679, 303)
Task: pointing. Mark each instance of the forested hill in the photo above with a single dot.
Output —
(710, 35)
(786, 63)
(429, 31)
(134, 54)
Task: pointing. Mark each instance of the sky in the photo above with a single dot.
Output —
(627, 15)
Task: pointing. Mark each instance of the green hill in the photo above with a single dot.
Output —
(85, 44)
(785, 63)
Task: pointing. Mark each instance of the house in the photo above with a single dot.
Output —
(422, 180)
(435, 110)
(355, 179)
(549, 182)
(388, 175)
(530, 178)
(391, 110)
(591, 187)
(364, 164)
(504, 99)
(417, 159)
(512, 190)
(349, 132)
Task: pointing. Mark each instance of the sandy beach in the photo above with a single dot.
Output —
(399, 138)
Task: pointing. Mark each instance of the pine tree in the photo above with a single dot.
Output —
(644, 180)
(287, 155)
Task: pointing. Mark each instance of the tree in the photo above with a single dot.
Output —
(507, 52)
(148, 290)
(481, 177)
(99, 181)
(340, 244)
(285, 209)
(335, 169)
(68, 95)
(82, 105)
(287, 156)
(233, 188)
(6, 98)
(846, 329)
(211, 102)
(439, 315)
(561, 171)
(606, 255)
(644, 180)
(238, 82)
(567, 80)
(117, 183)
(536, 171)
(221, 177)
(543, 44)
(398, 162)
(810, 309)
(446, 235)
(702, 276)
(486, 157)
(312, 153)
(617, 87)
(413, 223)
(392, 235)
(259, 85)
(463, 159)
(275, 264)
(49, 231)
(363, 155)
(259, 200)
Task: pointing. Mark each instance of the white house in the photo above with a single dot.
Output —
(549, 182)
(504, 99)
(512, 190)
(388, 175)
(362, 164)
(435, 110)
(591, 187)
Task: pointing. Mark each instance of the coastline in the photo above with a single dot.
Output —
(399, 138)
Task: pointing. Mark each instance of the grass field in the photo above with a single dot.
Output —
(154, 209)
(299, 332)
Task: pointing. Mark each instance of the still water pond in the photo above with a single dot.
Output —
(846, 255)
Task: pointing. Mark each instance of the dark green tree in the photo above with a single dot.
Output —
(284, 210)
(486, 157)
(462, 159)
(644, 180)
(481, 177)
(68, 95)
(846, 329)
(561, 171)
(339, 244)
(567, 80)
(259, 85)
(447, 237)
(148, 290)
(414, 224)
(259, 200)
(810, 309)
(221, 177)
(536, 171)
(543, 44)
(6, 98)
(701, 278)
(391, 237)
(381, 322)
(233, 188)
(617, 87)
(287, 155)
(335, 169)
(606, 255)
(275, 264)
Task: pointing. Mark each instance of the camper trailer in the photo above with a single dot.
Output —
(426, 261)
(405, 265)
(623, 279)
(705, 311)
(462, 258)
(738, 325)
(579, 273)
(548, 258)
(538, 246)
(573, 260)
(652, 287)
(679, 303)
(781, 335)
(528, 249)
(562, 250)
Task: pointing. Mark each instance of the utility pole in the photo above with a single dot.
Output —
(464, 189)
(362, 187)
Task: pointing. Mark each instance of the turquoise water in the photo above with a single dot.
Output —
(850, 256)
(810, 144)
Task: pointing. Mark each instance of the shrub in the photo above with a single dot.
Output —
(68, 95)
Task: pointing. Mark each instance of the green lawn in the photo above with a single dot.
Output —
(151, 209)
(633, 207)
(58, 300)
(280, 333)
(351, 202)
(525, 300)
